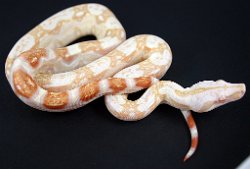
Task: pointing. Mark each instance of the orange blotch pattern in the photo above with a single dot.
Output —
(143, 82)
(190, 121)
(117, 84)
(56, 100)
(33, 56)
(24, 84)
(194, 142)
(89, 91)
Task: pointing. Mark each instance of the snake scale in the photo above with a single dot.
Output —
(48, 76)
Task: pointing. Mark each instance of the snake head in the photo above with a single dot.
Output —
(212, 94)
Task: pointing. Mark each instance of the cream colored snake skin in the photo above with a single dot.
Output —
(48, 76)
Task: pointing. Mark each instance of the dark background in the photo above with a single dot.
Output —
(209, 40)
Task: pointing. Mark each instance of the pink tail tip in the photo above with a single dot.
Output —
(192, 149)
(185, 159)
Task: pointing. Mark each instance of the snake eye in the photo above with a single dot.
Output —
(220, 81)
(220, 101)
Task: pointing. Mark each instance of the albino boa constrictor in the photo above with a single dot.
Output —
(47, 76)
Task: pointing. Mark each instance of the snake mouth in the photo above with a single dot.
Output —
(235, 92)
(238, 94)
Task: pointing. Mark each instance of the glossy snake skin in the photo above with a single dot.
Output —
(48, 76)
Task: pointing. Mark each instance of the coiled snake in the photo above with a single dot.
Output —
(48, 76)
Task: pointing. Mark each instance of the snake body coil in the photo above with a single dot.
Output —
(47, 76)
